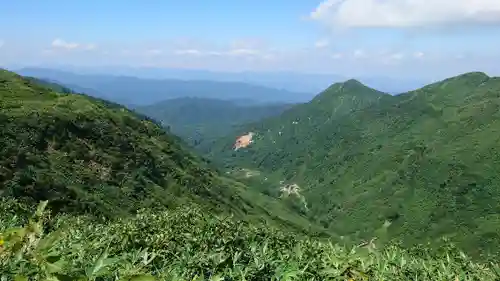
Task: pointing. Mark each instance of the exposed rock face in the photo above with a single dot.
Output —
(243, 141)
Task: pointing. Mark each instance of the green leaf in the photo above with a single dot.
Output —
(51, 278)
(20, 278)
(101, 264)
(142, 277)
(56, 267)
(48, 242)
(41, 208)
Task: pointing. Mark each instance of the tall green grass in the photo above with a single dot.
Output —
(189, 244)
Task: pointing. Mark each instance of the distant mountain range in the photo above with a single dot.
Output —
(130, 90)
(290, 81)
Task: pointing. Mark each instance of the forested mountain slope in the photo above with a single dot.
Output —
(201, 119)
(305, 119)
(414, 167)
(91, 157)
(87, 155)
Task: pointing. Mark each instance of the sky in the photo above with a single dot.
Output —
(397, 38)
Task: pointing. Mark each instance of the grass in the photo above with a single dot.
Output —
(189, 244)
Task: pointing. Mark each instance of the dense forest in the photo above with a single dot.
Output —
(93, 191)
(87, 155)
(412, 168)
(201, 120)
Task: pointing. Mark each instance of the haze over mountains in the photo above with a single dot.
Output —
(306, 83)
(144, 91)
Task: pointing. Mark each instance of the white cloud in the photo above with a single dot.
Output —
(188, 52)
(243, 52)
(59, 43)
(396, 56)
(418, 55)
(238, 52)
(214, 53)
(358, 54)
(322, 43)
(405, 13)
(337, 56)
(62, 44)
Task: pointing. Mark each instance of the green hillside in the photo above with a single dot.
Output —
(300, 120)
(87, 155)
(198, 120)
(412, 167)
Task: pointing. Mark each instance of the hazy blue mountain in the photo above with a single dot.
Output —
(143, 91)
(290, 81)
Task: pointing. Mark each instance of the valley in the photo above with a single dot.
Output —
(201, 120)
(119, 194)
(324, 140)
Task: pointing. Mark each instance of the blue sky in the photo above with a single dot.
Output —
(349, 37)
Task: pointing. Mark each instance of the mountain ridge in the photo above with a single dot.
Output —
(131, 90)
(91, 156)
(409, 159)
(48, 135)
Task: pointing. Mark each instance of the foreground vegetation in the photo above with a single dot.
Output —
(189, 244)
(124, 200)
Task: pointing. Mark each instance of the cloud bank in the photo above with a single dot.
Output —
(405, 13)
(62, 44)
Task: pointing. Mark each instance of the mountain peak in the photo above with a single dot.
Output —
(353, 82)
(467, 79)
(351, 87)
(475, 76)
